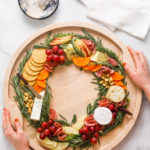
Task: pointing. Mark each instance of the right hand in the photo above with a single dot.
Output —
(141, 75)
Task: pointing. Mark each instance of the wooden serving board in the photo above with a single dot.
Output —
(71, 88)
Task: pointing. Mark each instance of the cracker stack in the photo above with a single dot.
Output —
(34, 65)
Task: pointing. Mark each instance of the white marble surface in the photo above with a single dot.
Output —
(15, 27)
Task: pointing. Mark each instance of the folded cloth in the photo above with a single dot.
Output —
(131, 16)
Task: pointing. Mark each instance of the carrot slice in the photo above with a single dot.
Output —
(37, 88)
(41, 83)
(117, 76)
(43, 75)
(96, 68)
(89, 67)
(120, 83)
(124, 87)
(81, 61)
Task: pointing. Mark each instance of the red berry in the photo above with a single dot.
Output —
(52, 129)
(97, 127)
(96, 135)
(92, 130)
(49, 52)
(114, 114)
(85, 130)
(93, 140)
(84, 137)
(55, 58)
(46, 131)
(50, 122)
(44, 124)
(115, 109)
(49, 58)
(55, 49)
(42, 136)
(39, 129)
(61, 58)
(60, 52)
(50, 136)
(111, 106)
(81, 131)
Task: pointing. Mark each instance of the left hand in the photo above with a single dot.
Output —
(15, 137)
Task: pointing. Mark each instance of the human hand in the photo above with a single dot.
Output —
(140, 75)
(15, 137)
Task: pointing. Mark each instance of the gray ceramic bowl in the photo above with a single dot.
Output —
(48, 10)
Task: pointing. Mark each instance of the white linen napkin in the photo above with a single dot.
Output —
(130, 16)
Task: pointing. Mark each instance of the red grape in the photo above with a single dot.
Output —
(39, 129)
(55, 49)
(92, 129)
(50, 122)
(52, 129)
(42, 136)
(61, 58)
(93, 140)
(114, 114)
(49, 58)
(44, 124)
(96, 135)
(84, 137)
(60, 52)
(115, 109)
(55, 58)
(85, 130)
(50, 136)
(49, 52)
(111, 106)
(46, 132)
(97, 127)
(81, 131)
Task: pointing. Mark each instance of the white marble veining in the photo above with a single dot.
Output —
(15, 27)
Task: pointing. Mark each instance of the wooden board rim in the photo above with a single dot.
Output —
(95, 28)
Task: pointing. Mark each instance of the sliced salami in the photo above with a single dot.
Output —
(112, 61)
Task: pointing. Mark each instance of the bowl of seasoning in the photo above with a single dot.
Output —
(38, 9)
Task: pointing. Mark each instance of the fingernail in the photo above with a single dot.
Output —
(124, 63)
(16, 120)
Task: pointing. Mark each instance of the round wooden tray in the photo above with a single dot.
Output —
(71, 88)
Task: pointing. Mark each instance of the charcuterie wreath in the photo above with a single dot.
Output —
(88, 54)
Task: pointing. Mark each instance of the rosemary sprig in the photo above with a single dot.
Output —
(74, 119)
(42, 45)
(63, 122)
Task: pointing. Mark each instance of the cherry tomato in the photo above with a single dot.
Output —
(97, 127)
(50, 122)
(44, 124)
(52, 114)
(93, 140)
(84, 137)
(111, 106)
(49, 58)
(46, 132)
(92, 130)
(55, 57)
(52, 129)
(60, 52)
(55, 49)
(49, 52)
(42, 136)
(96, 135)
(81, 131)
(85, 130)
(61, 58)
(39, 129)
(114, 114)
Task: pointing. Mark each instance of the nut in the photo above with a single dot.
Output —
(26, 99)
(29, 110)
(31, 104)
(26, 94)
(101, 82)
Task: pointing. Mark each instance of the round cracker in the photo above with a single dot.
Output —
(115, 93)
(39, 55)
(30, 72)
(31, 82)
(34, 68)
(34, 63)
(28, 77)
